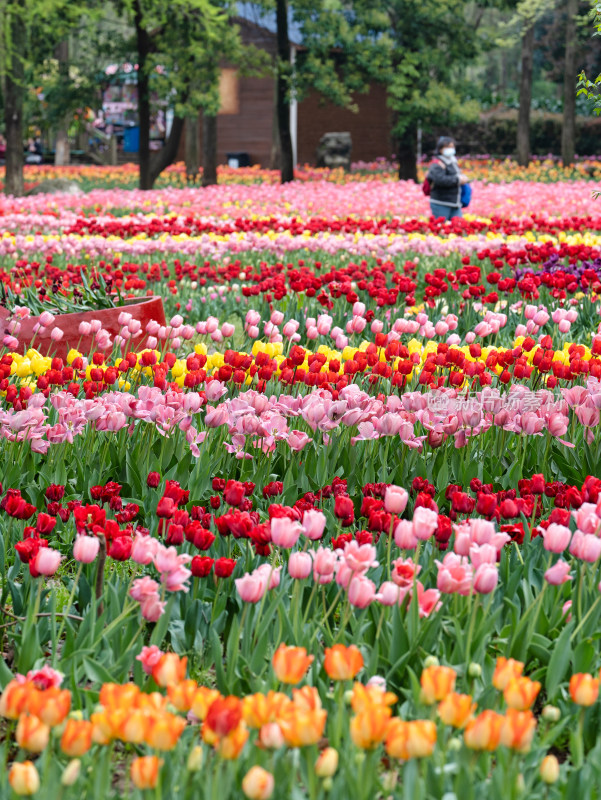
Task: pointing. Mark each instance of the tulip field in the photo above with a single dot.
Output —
(331, 528)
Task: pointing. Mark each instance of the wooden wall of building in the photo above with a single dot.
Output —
(370, 127)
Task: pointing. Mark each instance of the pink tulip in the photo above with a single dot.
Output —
(85, 549)
(585, 546)
(46, 319)
(587, 519)
(314, 523)
(46, 561)
(556, 538)
(486, 578)
(454, 575)
(361, 591)
(395, 499)
(390, 594)
(404, 571)
(285, 532)
(359, 558)
(56, 334)
(144, 549)
(324, 564)
(250, 587)
(149, 657)
(152, 608)
(300, 565)
(425, 522)
(269, 575)
(227, 330)
(428, 600)
(557, 574)
(404, 536)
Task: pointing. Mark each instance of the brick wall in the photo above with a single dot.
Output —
(369, 128)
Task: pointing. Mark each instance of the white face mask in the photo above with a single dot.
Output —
(448, 151)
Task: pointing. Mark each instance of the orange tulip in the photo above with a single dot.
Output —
(258, 784)
(484, 731)
(164, 731)
(584, 689)
(51, 706)
(505, 670)
(151, 701)
(14, 698)
(518, 729)
(224, 715)
(23, 778)
(130, 725)
(369, 728)
(202, 701)
(32, 734)
(307, 697)
(181, 695)
(327, 763)
(116, 695)
(302, 727)
(77, 737)
(291, 663)
(549, 769)
(230, 746)
(343, 663)
(144, 771)
(170, 670)
(456, 709)
(520, 693)
(407, 740)
(437, 683)
(102, 729)
(260, 709)
(270, 736)
(366, 697)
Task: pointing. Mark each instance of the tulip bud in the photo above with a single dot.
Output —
(195, 759)
(23, 778)
(474, 670)
(359, 757)
(327, 784)
(271, 736)
(551, 713)
(431, 661)
(348, 696)
(389, 781)
(455, 743)
(71, 772)
(520, 783)
(258, 784)
(327, 763)
(549, 769)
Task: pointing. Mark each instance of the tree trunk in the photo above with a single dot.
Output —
(568, 131)
(274, 160)
(167, 154)
(61, 149)
(283, 94)
(192, 155)
(407, 154)
(209, 149)
(523, 133)
(14, 91)
(143, 45)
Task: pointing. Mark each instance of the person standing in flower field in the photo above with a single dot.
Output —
(444, 182)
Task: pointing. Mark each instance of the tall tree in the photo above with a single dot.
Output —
(14, 39)
(523, 128)
(568, 131)
(283, 70)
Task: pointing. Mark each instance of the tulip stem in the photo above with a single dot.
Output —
(585, 617)
(99, 587)
(65, 614)
(470, 630)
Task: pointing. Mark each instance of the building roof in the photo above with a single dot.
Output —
(254, 13)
